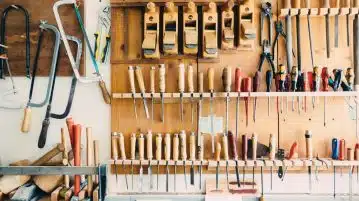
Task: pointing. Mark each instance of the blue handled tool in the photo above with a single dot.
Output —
(335, 156)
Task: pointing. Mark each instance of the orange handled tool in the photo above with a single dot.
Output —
(247, 87)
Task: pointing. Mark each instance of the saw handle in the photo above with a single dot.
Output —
(167, 150)
(25, 126)
(238, 80)
(190, 79)
(121, 144)
(210, 75)
(162, 76)
(232, 145)
(175, 147)
(141, 147)
(181, 75)
(105, 94)
(149, 145)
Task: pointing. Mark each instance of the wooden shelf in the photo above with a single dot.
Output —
(318, 11)
(121, 3)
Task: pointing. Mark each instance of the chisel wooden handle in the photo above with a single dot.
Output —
(232, 145)
(347, 4)
(162, 75)
(341, 150)
(227, 79)
(140, 80)
(25, 126)
(49, 155)
(200, 82)
(293, 150)
(218, 152)
(238, 80)
(356, 4)
(181, 75)
(149, 145)
(167, 150)
(77, 156)
(96, 157)
(307, 3)
(309, 146)
(326, 3)
(133, 146)
(337, 4)
(192, 147)
(141, 147)
(287, 4)
(350, 154)
(65, 156)
(158, 146)
(131, 76)
(210, 74)
(121, 144)
(200, 151)
(175, 147)
(254, 146)
(152, 79)
(90, 159)
(183, 145)
(297, 3)
(244, 147)
(272, 145)
(105, 94)
(225, 147)
(70, 123)
(190, 79)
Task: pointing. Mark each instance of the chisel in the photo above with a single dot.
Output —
(309, 155)
(133, 155)
(141, 153)
(114, 153)
(77, 156)
(149, 158)
(227, 81)
(237, 86)
(191, 89)
(305, 88)
(121, 143)
(335, 156)
(175, 153)
(342, 150)
(167, 142)
(210, 75)
(307, 5)
(141, 85)
(183, 151)
(65, 157)
(336, 25)
(200, 158)
(254, 153)
(347, 5)
(356, 157)
(294, 79)
(350, 157)
(232, 140)
(90, 158)
(162, 76)
(247, 87)
(256, 82)
(326, 4)
(272, 151)
(262, 186)
(218, 159)
(226, 156)
(299, 49)
(152, 88)
(325, 87)
(131, 75)
(181, 86)
(192, 155)
(200, 90)
(158, 155)
(269, 81)
(289, 45)
(316, 83)
(244, 154)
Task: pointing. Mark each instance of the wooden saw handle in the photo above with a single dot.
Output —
(167, 142)
(105, 94)
(175, 151)
(25, 126)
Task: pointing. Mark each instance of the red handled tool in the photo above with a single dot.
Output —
(247, 87)
(325, 81)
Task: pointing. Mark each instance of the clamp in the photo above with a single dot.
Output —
(266, 54)
(266, 11)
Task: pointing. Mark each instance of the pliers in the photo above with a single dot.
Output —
(266, 11)
(266, 54)
(279, 32)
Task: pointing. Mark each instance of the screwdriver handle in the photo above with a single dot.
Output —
(183, 145)
(238, 80)
(131, 75)
(139, 78)
(293, 150)
(272, 145)
(325, 79)
(326, 4)
(162, 74)
(200, 82)
(305, 82)
(256, 81)
(309, 146)
(349, 76)
(175, 147)
(190, 79)
(225, 147)
(181, 74)
(121, 143)
(149, 145)
(133, 146)
(152, 79)
(141, 147)
(350, 154)
(167, 146)
(287, 4)
(114, 146)
(244, 147)
(211, 79)
(158, 146)
(232, 145)
(294, 77)
(192, 147)
(269, 80)
(297, 3)
(254, 146)
(335, 149)
(227, 79)
(307, 3)
(218, 152)
(342, 150)
(247, 84)
(356, 152)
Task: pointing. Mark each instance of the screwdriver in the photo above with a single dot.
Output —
(342, 150)
(149, 157)
(181, 86)
(218, 159)
(233, 152)
(247, 87)
(237, 85)
(316, 83)
(293, 151)
(141, 85)
(158, 154)
(199, 135)
(294, 78)
(305, 88)
(210, 75)
(225, 156)
(356, 157)
(200, 158)
(349, 76)
(183, 149)
(309, 155)
(121, 143)
(227, 81)
(244, 154)
(335, 156)
(256, 82)
(281, 81)
(191, 89)
(141, 153)
(131, 75)
(167, 151)
(262, 185)
(272, 151)
(114, 152)
(152, 88)
(192, 155)
(175, 157)
(162, 75)
(254, 153)
(325, 80)
(269, 78)
(133, 154)
(350, 157)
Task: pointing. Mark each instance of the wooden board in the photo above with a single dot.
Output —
(15, 36)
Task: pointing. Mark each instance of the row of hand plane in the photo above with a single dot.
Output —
(191, 20)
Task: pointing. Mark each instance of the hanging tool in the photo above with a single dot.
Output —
(335, 156)
(199, 134)
(325, 86)
(210, 75)
(256, 82)
(280, 32)
(175, 153)
(149, 158)
(269, 81)
(356, 157)
(237, 86)
(336, 25)
(293, 151)
(316, 83)
(121, 143)
(326, 4)
(114, 146)
(349, 76)
(305, 88)
(131, 76)
(298, 27)
(192, 155)
(226, 156)
(281, 156)
(133, 155)
(244, 154)
(350, 157)
(266, 55)
(262, 185)
(233, 152)
(141, 154)
(4, 15)
(167, 151)
(272, 151)
(152, 88)
(247, 87)
(254, 153)
(294, 79)
(181, 86)
(309, 155)
(227, 83)
(307, 5)
(158, 155)
(282, 74)
(98, 78)
(141, 85)
(342, 150)
(347, 5)
(191, 88)
(103, 30)
(218, 159)
(27, 114)
(266, 12)
(162, 74)
(288, 22)
(77, 156)
(200, 158)
(183, 150)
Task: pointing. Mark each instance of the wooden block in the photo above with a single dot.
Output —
(69, 194)
(190, 29)
(248, 30)
(48, 183)
(170, 29)
(150, 45)
(210, 21)
(227, 26)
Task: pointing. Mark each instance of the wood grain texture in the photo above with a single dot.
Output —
(15, 36)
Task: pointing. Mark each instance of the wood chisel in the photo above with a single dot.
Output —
(181, 86)
(294, 79)
(77, 156)
(254, 154)
(272, 151)
(226, 156)
(326, 4)
(293, 151)
(162, 75)
(316, 84)
(133, 155)
(227, 82)
(141, 85)
(191, 88)
(269, 81)
(356, 157)
(218, 159)
(200, 158)
(152, 88)
(237, 86)
(309, 155)
(232, 140)
(158, 155)
(247, 87)
(175, 153)
(307, 5)
(183, 151)
(131, 76)
(297, 4)
(114, 145)
(121, 144)
(336, 25)
(262, 185)
(335, 156)
(325, 88)
(149, 157)
(244, 154)
(289, 45)
(89, 158)
(350, 157)
(141, 153)
(256, 83)
(200, 90)
(167, 151)
(305, 88)
(192, 155)
(210, 75)
(96, 158)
